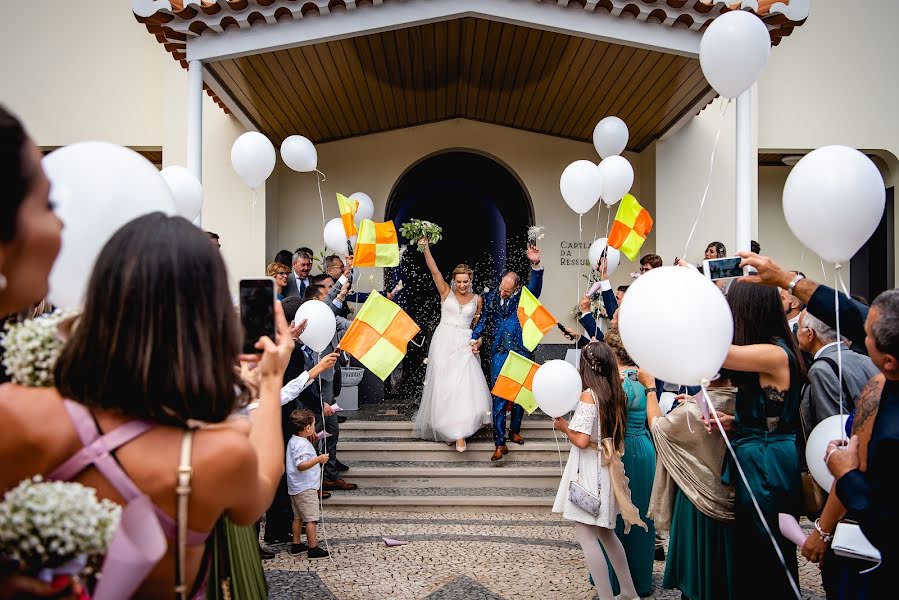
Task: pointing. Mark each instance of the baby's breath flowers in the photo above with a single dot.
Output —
(49, 524)
(30, 348)
(535, 234)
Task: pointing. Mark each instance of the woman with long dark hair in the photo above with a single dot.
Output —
(155, 352)
(597, 432)
(768, 373)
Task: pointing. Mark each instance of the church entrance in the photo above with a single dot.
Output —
(485, 214)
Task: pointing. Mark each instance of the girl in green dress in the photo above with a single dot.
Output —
(769, 377)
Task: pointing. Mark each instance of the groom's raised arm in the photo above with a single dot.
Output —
(535, 281)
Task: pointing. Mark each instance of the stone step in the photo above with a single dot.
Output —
(449, 475)
(355, 430)
(419, 450)
(501, 499)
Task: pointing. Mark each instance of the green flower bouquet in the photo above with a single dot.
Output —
(416, 229)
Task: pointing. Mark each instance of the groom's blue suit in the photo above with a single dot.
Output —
(502, 317)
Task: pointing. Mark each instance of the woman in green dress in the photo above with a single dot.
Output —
(640, 466)
(769, 375)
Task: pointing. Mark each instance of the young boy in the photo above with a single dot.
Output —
(303, 479)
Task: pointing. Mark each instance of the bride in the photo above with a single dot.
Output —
(455, 402)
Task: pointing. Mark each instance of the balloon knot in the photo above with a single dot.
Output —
(837, 266)
(704, 383)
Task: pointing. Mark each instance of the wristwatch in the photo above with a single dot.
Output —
(653, 390)
(793, 283)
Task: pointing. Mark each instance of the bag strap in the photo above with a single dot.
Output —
(185, 471)
(850, 401)
(592, 445)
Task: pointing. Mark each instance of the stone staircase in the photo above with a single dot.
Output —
(396, 472)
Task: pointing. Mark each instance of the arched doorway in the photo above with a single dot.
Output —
(484, 212)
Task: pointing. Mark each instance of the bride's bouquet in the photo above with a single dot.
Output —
(416, 229)
(55, 530)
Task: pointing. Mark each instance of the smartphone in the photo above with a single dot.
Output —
(718, 269)
(257, 311)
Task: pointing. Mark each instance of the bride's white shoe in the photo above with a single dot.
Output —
(460, 445)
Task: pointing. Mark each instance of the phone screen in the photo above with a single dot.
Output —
(724, 268)
(257, 311)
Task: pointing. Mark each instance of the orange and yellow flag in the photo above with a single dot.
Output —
(631, 226)
(379, 335)
(348, 210)
(516, 380)
(377, 245)
(534, 318)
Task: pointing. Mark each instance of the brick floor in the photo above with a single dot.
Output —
(451, 556)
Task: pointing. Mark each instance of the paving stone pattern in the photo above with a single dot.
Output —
(452, 556)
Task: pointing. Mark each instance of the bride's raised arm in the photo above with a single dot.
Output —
(442, 288)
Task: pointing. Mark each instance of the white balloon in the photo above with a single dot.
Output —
(299, 153)
(335, 236)
(557, 387)
(831, 428)
(97, 188)
(733, 52)
(366, 208)
(613, 255)
(253, 158)
(320, 324)
(581, 186)
(833, 201)
(187, 191)
(676, 324)
(617, 178)
(610, 137)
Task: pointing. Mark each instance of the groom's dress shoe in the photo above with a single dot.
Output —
(517, 439)
(500, 452)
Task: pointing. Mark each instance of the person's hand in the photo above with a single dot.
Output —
(323, 458)
(476, 345)
(646, 378)
(325, 363)
(391, 295)
(344, 292)
(16, 585)
(585, 304)
(250, 376)
(327, 410)
(561, 424)
(569, 333)
(275, 356)
(424, 242)
(728, 422)
(603, 268)
(297, 329)
(841, 458)
(533, 255)
(814, 548)
(768, 271)
(681, 398)
(347, 263)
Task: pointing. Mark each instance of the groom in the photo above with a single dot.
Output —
(500, 313)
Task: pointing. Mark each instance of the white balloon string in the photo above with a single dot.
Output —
(836, 304)
(559, 450)
(824, 272)
(253, 215)
(714, 413)
(708, 182)
(580, 242)
(321, 470)
(320, 177)
(608, 222)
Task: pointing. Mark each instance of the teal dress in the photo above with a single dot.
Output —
(640, 466)
(765, 443)
(700, 553)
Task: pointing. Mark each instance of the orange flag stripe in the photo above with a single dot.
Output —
(542, 319)
(529, 380)
(359, 338)
(618, 234)
(506, 388)
(364, 254)
(401, 330)
(643, 223)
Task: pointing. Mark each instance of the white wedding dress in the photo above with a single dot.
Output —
(456, 401)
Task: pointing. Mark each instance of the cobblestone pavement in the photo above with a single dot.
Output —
(451, 556)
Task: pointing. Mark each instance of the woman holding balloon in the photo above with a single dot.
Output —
(594, 471)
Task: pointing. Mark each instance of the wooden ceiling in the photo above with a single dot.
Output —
(471, 68)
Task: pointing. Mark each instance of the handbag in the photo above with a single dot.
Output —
(850, 542)
(580, 496)
(813, 495)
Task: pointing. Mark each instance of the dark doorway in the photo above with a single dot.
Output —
(484, 213)
(871, 269)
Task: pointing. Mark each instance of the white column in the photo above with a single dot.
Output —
(746, 162)
(195, 123)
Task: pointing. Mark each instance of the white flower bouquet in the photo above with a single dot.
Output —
(416, 229)
(52, 529)
(535, 234)
(30, 348)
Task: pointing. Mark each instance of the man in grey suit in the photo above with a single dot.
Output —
(299, 281)
(821, 396)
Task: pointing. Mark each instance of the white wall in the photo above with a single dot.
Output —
(109, 79)
(374, 163)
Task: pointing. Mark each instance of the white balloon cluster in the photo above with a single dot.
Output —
(583, 183)
(253, 156)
